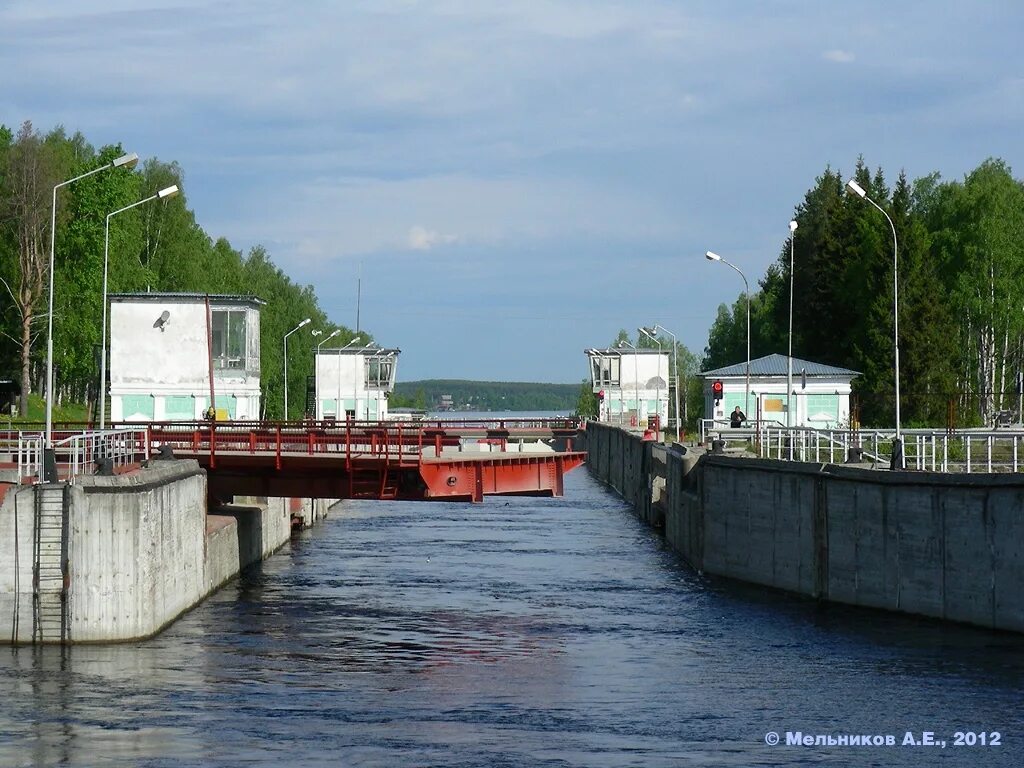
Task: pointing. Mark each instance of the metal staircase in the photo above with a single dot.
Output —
(50, 564)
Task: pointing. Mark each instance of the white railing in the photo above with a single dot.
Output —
(723, 428)
(30, 456)
(80, 454)
(819, 445)
(930, 450)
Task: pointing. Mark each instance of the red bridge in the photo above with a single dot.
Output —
(373, 460)
(447, 461)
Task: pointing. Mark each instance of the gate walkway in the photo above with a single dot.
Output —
(372, 460)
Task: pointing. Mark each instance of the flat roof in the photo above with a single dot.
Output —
(368, 351)
(215, 298)
(616, 351)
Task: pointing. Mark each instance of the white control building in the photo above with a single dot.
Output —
(631, 386)
(354, 382)
(164, 345)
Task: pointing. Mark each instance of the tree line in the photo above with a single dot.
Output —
(961, 293)
(484, 395)
(156, 247)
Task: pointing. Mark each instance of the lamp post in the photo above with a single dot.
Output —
(675, 365)
(316, 374)
(789, 358)
(897, 448)
(636, 377)
(337, 407)
(366, 410)
(124, 161)
(746, 290)
(657, 386)
(305, 322)
(163, 194)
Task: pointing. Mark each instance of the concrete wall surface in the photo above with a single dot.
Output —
(942, 545)
(141, 551)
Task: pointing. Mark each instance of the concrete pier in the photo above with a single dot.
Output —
(948, 546)
(140, 550)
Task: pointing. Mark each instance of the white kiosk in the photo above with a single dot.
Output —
(161, 348)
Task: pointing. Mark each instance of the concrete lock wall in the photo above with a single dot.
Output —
(945, 546)
(142, 550)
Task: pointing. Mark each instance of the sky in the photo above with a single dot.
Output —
(516, 181)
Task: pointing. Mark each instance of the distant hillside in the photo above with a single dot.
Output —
(485, 395)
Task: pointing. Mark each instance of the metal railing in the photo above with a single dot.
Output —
(75, 453)
(30, 456)
(725, 430)
(81, 454)
(926, 450)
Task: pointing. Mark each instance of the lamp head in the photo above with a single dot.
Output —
(711, 256)
(126, 161)
(307, 321)
(792, 226)
(856, 188)
(170, 191)
(334, 333)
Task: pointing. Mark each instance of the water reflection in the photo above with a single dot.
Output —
(544, 632)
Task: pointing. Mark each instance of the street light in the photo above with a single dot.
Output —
(305, 322)
(789, 359)
(746, 290)
(897, 448)
(337, 407)
(371, 345)
(316, 372)
(163, 194)
(124, 161)
(636, 376)
(675, 365)
(657, 384)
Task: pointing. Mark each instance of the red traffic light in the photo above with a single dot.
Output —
(716, 388)
(600, 395)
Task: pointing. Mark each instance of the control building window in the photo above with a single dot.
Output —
(228, 330)
(605, 371)
(380, 372)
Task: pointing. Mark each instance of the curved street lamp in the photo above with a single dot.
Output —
(789, 359)
(657, 390)
(305, 322)
(636, 376)
(711, 256)
(163, 194)
(897, 448)
(316, 372)
(675, 365)
(124, 161)
(337, 407)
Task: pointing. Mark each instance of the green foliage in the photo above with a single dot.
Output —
(586, 403)
(961, 291)
(157, 246)
(490, 395)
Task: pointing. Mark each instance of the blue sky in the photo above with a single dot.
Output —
(517, 181)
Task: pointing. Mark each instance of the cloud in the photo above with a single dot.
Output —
(838, 56)
(422, 239)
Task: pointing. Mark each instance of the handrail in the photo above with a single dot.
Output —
(80, 453)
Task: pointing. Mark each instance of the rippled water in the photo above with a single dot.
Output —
(532, 632)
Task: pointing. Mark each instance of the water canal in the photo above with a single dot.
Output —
(534, 632)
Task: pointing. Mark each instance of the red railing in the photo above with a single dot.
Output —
(396, 443)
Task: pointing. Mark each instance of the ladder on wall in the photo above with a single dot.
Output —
(50, 563)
